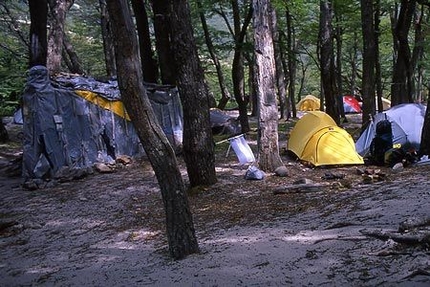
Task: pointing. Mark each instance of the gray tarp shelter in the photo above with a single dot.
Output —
(74, 122)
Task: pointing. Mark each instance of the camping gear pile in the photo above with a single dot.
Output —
(74, 122)
(406, 123)
(393, 136)
(316, 139)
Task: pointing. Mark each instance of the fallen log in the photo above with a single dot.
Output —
(297, 188)
(416, 237)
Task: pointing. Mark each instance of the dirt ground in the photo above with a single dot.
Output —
(368, 226)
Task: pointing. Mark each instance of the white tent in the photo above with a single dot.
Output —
(407, 123)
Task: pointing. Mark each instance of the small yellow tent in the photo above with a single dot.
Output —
(308, 103)
(318, 140)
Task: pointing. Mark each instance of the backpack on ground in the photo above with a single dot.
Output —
(381, 143)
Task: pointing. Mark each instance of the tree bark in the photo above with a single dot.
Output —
(108, 47)
(199, 154)
(328, 73)
(38, 32)
(149, 65)
(179, 222)
(58, 10)
(268, 147)
(369, 58)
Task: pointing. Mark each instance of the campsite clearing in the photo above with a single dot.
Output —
(108, 229)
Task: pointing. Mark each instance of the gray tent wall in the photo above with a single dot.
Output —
(62, 129)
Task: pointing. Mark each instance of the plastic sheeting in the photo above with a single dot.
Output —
(63, 129)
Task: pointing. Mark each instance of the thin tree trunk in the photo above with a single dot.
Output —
(268, 148)
(338, 37)
(180, 228)
(237, 67)
(291, 62)
(108, 47)
(280, 75)
(225, 94)
(378, 72)
(149, 65)
(199, 154)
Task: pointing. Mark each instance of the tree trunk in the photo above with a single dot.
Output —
(58, 10)
(291, 62)
(378, 72)
(417, 53)
(162, 42)
(108, 47)
(71, 57)
(280, 75)
(198, 145)
(149, 65)
(401, 89)
(4, 136)
(328, 73)
(369, 52)
(238, 76)
(425, 136)
(225, 94)
(38, 33)
(180, 227)
(338, 37)
(268, 147)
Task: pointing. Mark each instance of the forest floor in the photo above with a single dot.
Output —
(108, 229)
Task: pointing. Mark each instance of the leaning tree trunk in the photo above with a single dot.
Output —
(180, 227)
(225, 94)
(328, 75)
(71, 57)
(38, 33)
(199, 154)
(268, 147)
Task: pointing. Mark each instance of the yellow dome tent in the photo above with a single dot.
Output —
(318, 140)
(308, 103)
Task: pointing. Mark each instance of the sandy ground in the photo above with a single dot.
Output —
(108, 230)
